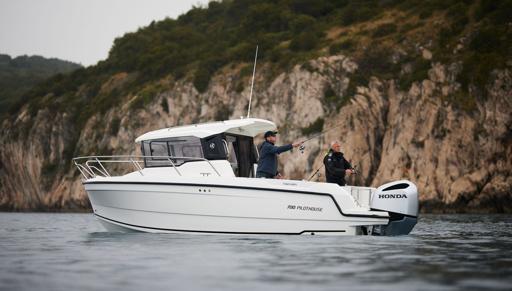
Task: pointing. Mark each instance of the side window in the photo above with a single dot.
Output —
(145, 148)
(189, 147)
(192, 151)
(159, 150)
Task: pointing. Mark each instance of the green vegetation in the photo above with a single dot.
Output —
(115, 125)
(476, 34)
(489, 49)
(462, 101)
(373, 61)
(385, 29)
(49, 169)
(18, 75)
(204, 40)
(315, 127)
(337, 47)
(195, 46)
(165, 105)
(419, 72)
(144, 96)
(334, 100)
(304, 41)
(358, 11)
(489, 46)
(329, 95)
(224, 111)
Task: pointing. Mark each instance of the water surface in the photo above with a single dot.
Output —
(73, 252)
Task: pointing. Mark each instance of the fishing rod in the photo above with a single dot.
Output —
(355, 172)
(315, 172)
(302, 147)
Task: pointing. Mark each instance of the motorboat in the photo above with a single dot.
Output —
(200, 178)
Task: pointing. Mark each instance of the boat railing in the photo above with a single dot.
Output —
(361, 195)
(94, 166)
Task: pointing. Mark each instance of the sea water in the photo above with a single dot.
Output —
(73, 252)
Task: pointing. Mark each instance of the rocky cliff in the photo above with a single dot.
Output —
(460, 161)
(423, 128)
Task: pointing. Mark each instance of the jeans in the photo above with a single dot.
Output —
(264, 175)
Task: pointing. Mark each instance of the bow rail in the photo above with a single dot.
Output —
(94, 166)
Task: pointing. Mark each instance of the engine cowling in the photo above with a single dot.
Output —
(400, 200)
(398, 197)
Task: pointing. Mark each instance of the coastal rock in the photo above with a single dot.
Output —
(459, 160)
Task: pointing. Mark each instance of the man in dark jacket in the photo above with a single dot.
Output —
(336, 166)
(267, 165)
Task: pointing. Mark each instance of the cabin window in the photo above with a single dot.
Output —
(178, 150)
(159, 150)
(186, 147)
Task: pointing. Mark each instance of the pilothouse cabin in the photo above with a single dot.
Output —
(218, 143)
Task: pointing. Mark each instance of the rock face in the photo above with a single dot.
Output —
(459, 160)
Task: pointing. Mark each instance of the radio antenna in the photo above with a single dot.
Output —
(252, 82)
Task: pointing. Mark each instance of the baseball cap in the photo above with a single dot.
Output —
(270, 133)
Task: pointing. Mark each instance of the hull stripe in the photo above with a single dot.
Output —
(208, 231)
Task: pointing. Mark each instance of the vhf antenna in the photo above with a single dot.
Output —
(252, 82)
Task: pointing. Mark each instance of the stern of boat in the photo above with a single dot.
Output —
(399, 199)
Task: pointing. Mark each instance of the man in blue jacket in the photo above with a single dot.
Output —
(267, 165)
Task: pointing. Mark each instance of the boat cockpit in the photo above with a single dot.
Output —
(224, 148)
(238, 150)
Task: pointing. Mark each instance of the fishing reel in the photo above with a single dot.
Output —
(302, 147)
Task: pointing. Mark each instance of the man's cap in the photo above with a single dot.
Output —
(270, 133)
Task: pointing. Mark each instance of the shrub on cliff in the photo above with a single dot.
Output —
(385, 29)
(304, 42)
(346, 45)
(489, 50)
(314, 127)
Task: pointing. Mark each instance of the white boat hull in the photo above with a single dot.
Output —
(267, 207)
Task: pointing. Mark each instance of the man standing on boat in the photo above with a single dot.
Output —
(267, 165)
(336, 166)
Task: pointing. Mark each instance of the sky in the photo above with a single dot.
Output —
(81, 31)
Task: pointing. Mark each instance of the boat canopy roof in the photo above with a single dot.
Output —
(247, 126)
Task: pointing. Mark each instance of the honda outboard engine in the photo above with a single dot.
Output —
(400, 200)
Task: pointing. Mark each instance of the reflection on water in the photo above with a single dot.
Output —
(69, 251)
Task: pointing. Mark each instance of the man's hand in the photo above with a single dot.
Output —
(296, 144)
(350, 171)
(279, 176)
